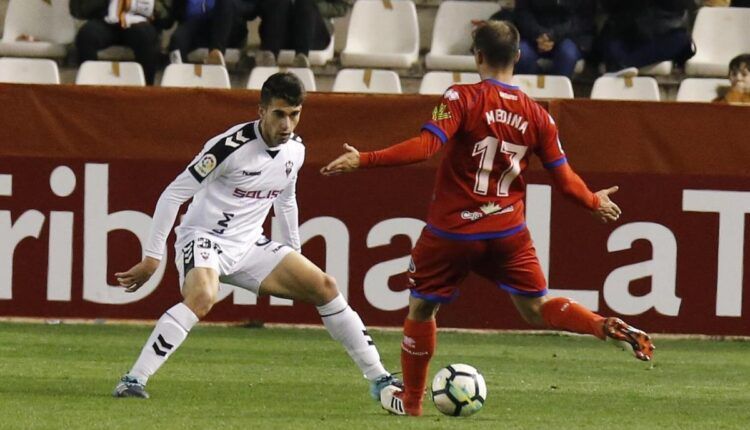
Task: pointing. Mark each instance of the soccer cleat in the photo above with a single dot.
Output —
(638, 340)
(130, 387)
(391, 399)
(377, 386)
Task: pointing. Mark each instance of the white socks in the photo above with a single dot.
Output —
(346, 326)
(171, 329)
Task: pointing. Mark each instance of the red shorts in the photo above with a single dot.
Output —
(439, 264)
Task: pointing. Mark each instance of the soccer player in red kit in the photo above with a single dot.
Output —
(476, 219)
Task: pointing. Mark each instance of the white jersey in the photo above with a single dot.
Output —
(233, 182)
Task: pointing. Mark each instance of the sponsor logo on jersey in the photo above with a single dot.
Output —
(205, 255)
(246, 173)
(412, 267)
(441, 112)
(205, 165)
(259, 194)
(289, 165)
(507, 96)
(490, 208)
(451, 94)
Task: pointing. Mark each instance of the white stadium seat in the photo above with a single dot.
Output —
(451, 35)
(700, 89)
(29, 71)
(380, 36)
(438, 82)
(659, 69)
(46, 25)
(195, 75)
(367, 81)
(618, 88)
(544, 87)
(317, 58)
(125, 73)
(259, 75)
(231, 55)
(720, 34)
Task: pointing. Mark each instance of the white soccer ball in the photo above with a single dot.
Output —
(459, 390)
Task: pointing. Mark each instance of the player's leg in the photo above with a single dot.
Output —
(270, 268)
(438, 266)
(199, 290)
(516, 269)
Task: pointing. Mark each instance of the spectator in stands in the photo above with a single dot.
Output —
(561, 30)
(638, 33)
(307, 26)
(136, 24)
(215, 24)
(739, 76)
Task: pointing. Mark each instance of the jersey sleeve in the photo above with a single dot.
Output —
(550, 149)
(287, 212)
(448, 114)
(212, 162)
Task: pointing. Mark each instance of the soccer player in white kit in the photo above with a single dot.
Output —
(233, 182)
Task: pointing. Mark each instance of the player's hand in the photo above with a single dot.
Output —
(347, 162)
(134, 278)
(544, 43)
(607, 210)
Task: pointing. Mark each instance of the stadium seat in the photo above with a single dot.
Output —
(659, 69)
(126, 73)
(367, 81)
(700, 89)
(260, 74)
(29, 71)
(317, 58)
(195, 75)
(617, 88)
(37, 28)
(545, 87)
(451, 35)
(231, 55)
(720, 34)
(438, 82)
(382, 36)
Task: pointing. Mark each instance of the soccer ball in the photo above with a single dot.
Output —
(459, 390)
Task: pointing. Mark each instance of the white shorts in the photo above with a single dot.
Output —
(245, 270)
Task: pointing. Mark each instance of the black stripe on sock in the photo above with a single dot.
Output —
(158, 351)
(335, 313)
(164, 343)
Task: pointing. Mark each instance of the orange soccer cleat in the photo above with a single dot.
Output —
(638, 340)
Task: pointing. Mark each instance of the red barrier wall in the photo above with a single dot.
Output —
(82, 167)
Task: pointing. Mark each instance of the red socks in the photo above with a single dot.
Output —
(564, 314)
(417, 348)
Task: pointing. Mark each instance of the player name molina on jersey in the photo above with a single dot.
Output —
(512, 119)
(222, 149)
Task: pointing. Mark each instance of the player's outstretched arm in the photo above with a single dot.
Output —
(137, 275)
(607, 210)
(345, 163)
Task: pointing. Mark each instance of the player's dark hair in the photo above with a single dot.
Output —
(285, 86)
(738, 62)
(498, 41)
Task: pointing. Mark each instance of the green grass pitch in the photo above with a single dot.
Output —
(61, 377)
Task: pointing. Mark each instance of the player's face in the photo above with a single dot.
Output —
(278, 121)
(741, 79)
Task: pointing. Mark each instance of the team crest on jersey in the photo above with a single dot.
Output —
(205, 165)
(441, 112)
(289, 165)
(451, 94)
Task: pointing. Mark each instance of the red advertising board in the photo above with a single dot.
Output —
(81, 170)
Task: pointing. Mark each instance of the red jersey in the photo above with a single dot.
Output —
(489, 130)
